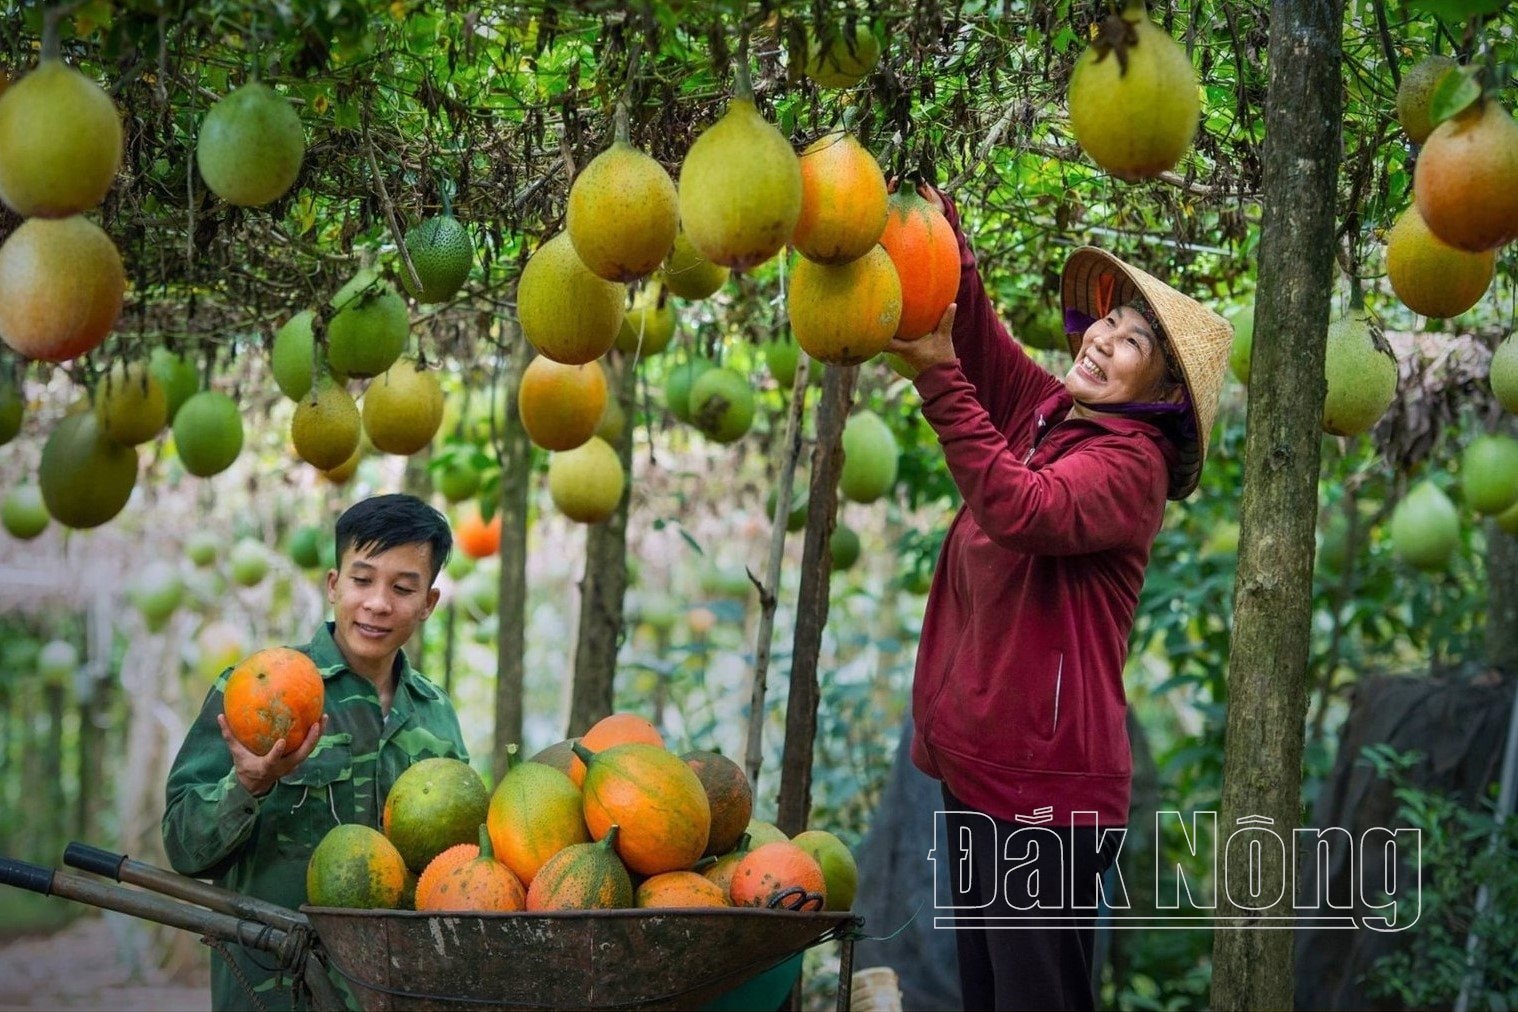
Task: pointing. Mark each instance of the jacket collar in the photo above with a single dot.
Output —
(1056, 408)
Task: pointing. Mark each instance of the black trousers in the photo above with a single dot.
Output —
(1047, 963)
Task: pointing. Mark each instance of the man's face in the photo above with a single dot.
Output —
(378, 601)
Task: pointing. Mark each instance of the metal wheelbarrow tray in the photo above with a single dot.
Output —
(401, 959)
(395, 959)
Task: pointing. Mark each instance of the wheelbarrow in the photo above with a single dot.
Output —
(402, 959)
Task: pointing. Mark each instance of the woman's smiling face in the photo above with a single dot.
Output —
(1121, 361)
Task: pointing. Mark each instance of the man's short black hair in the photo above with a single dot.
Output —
(382, 522)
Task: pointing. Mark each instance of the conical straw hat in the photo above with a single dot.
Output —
(1197, 340)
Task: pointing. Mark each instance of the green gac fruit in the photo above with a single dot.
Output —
(722, 405)
(12, 408)
(1361, 372)
(844, 547)
(369, 333)
(870, 458)
(781, 356)
(649, 325)
(293, 356)
(1503, 376)
(1425, 528)
(250, 146)
(795, 520)
(86, 476)
(23, 513)
(442, 253)
(177, 375)
(1489, 474)
(1240, 354)
(678, 383)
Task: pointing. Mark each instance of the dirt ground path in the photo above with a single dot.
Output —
(86, 966)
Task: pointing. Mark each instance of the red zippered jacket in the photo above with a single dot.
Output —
(1018, 695)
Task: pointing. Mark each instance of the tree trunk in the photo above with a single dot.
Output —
(812, 601)
(1502, 598)
(1502, 589)
(605, 582)
(1262, 762)
(511, 639)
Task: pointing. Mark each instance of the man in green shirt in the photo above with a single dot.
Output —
(248, 822)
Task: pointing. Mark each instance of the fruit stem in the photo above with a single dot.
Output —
(1356, 294)
(619, 118)
(585, 755)
(486, 850)
(743, 84)
(52, 46)
(512, 751)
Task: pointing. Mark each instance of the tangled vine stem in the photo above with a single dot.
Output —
(389, 206)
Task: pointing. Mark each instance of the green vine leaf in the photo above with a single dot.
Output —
(1457, 91)
(1457, 12)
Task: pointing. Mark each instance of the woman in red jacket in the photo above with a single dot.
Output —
(1018, 696)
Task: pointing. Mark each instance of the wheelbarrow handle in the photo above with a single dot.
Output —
(93, 859)
(286, 946)
(140, 873)
(25, 875)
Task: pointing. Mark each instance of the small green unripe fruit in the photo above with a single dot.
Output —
(250, 146)
(23, 513)
(86, 476)
(839, 869)
(722, 405)
(208, 433)
(442, 253)
(177, 375)
(1239, 355)
(369, 333)
(1504, 374)
(1361, 372)
(870, 458)
(1425, 528)
(1489, 474)
(249, 562)
(678, 383)
(844, 545)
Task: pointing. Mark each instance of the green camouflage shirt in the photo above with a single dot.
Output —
(214, 829)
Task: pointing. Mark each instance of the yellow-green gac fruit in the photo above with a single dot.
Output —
(60, 142)
(1425, 528)
(1361, 372)
(1415, 93)
(567, 312)
(1133, 97)
(369, 330)
(623, 213)
(841, 58)
(740, 189)
(586, 483)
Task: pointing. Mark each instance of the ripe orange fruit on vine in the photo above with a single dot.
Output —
(61, 285)
(476, 538)
(273, 695)
(1133, 97)
(60, 142)
(561, 405)
(843, 200)
(1431, 277)
(921, 244)
(1466, 181)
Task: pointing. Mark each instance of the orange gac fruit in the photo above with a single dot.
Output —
(271, 695)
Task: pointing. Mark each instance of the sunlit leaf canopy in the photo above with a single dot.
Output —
(489, 108)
